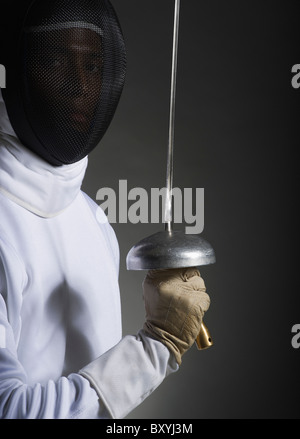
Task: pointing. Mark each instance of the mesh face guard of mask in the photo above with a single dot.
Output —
(71, 65)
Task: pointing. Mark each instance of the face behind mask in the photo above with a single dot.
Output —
(68, 67)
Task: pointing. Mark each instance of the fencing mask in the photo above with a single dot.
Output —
(65, 74)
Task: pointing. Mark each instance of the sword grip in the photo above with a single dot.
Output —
(204, 340)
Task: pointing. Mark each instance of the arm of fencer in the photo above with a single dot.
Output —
(128, 373)
(111, 386)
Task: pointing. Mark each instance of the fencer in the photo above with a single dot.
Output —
(62, 352)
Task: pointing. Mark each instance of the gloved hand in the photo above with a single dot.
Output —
(175, 302)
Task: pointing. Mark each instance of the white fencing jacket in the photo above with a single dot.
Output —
(62, 354)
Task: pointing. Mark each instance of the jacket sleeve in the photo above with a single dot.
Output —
(128, 373)
(103, 389)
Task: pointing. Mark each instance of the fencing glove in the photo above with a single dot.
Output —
(175, 302)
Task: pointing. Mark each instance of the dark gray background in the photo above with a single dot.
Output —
(236, 134)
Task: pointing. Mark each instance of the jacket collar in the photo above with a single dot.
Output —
(31, 182)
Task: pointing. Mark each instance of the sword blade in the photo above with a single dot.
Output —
(168, 217)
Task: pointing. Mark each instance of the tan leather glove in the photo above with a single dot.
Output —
(175, 302)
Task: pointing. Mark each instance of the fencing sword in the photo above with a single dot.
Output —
(170, 248)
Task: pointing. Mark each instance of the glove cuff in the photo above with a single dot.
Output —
(170, 341)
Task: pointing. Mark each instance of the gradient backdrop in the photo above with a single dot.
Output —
(236, 133)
